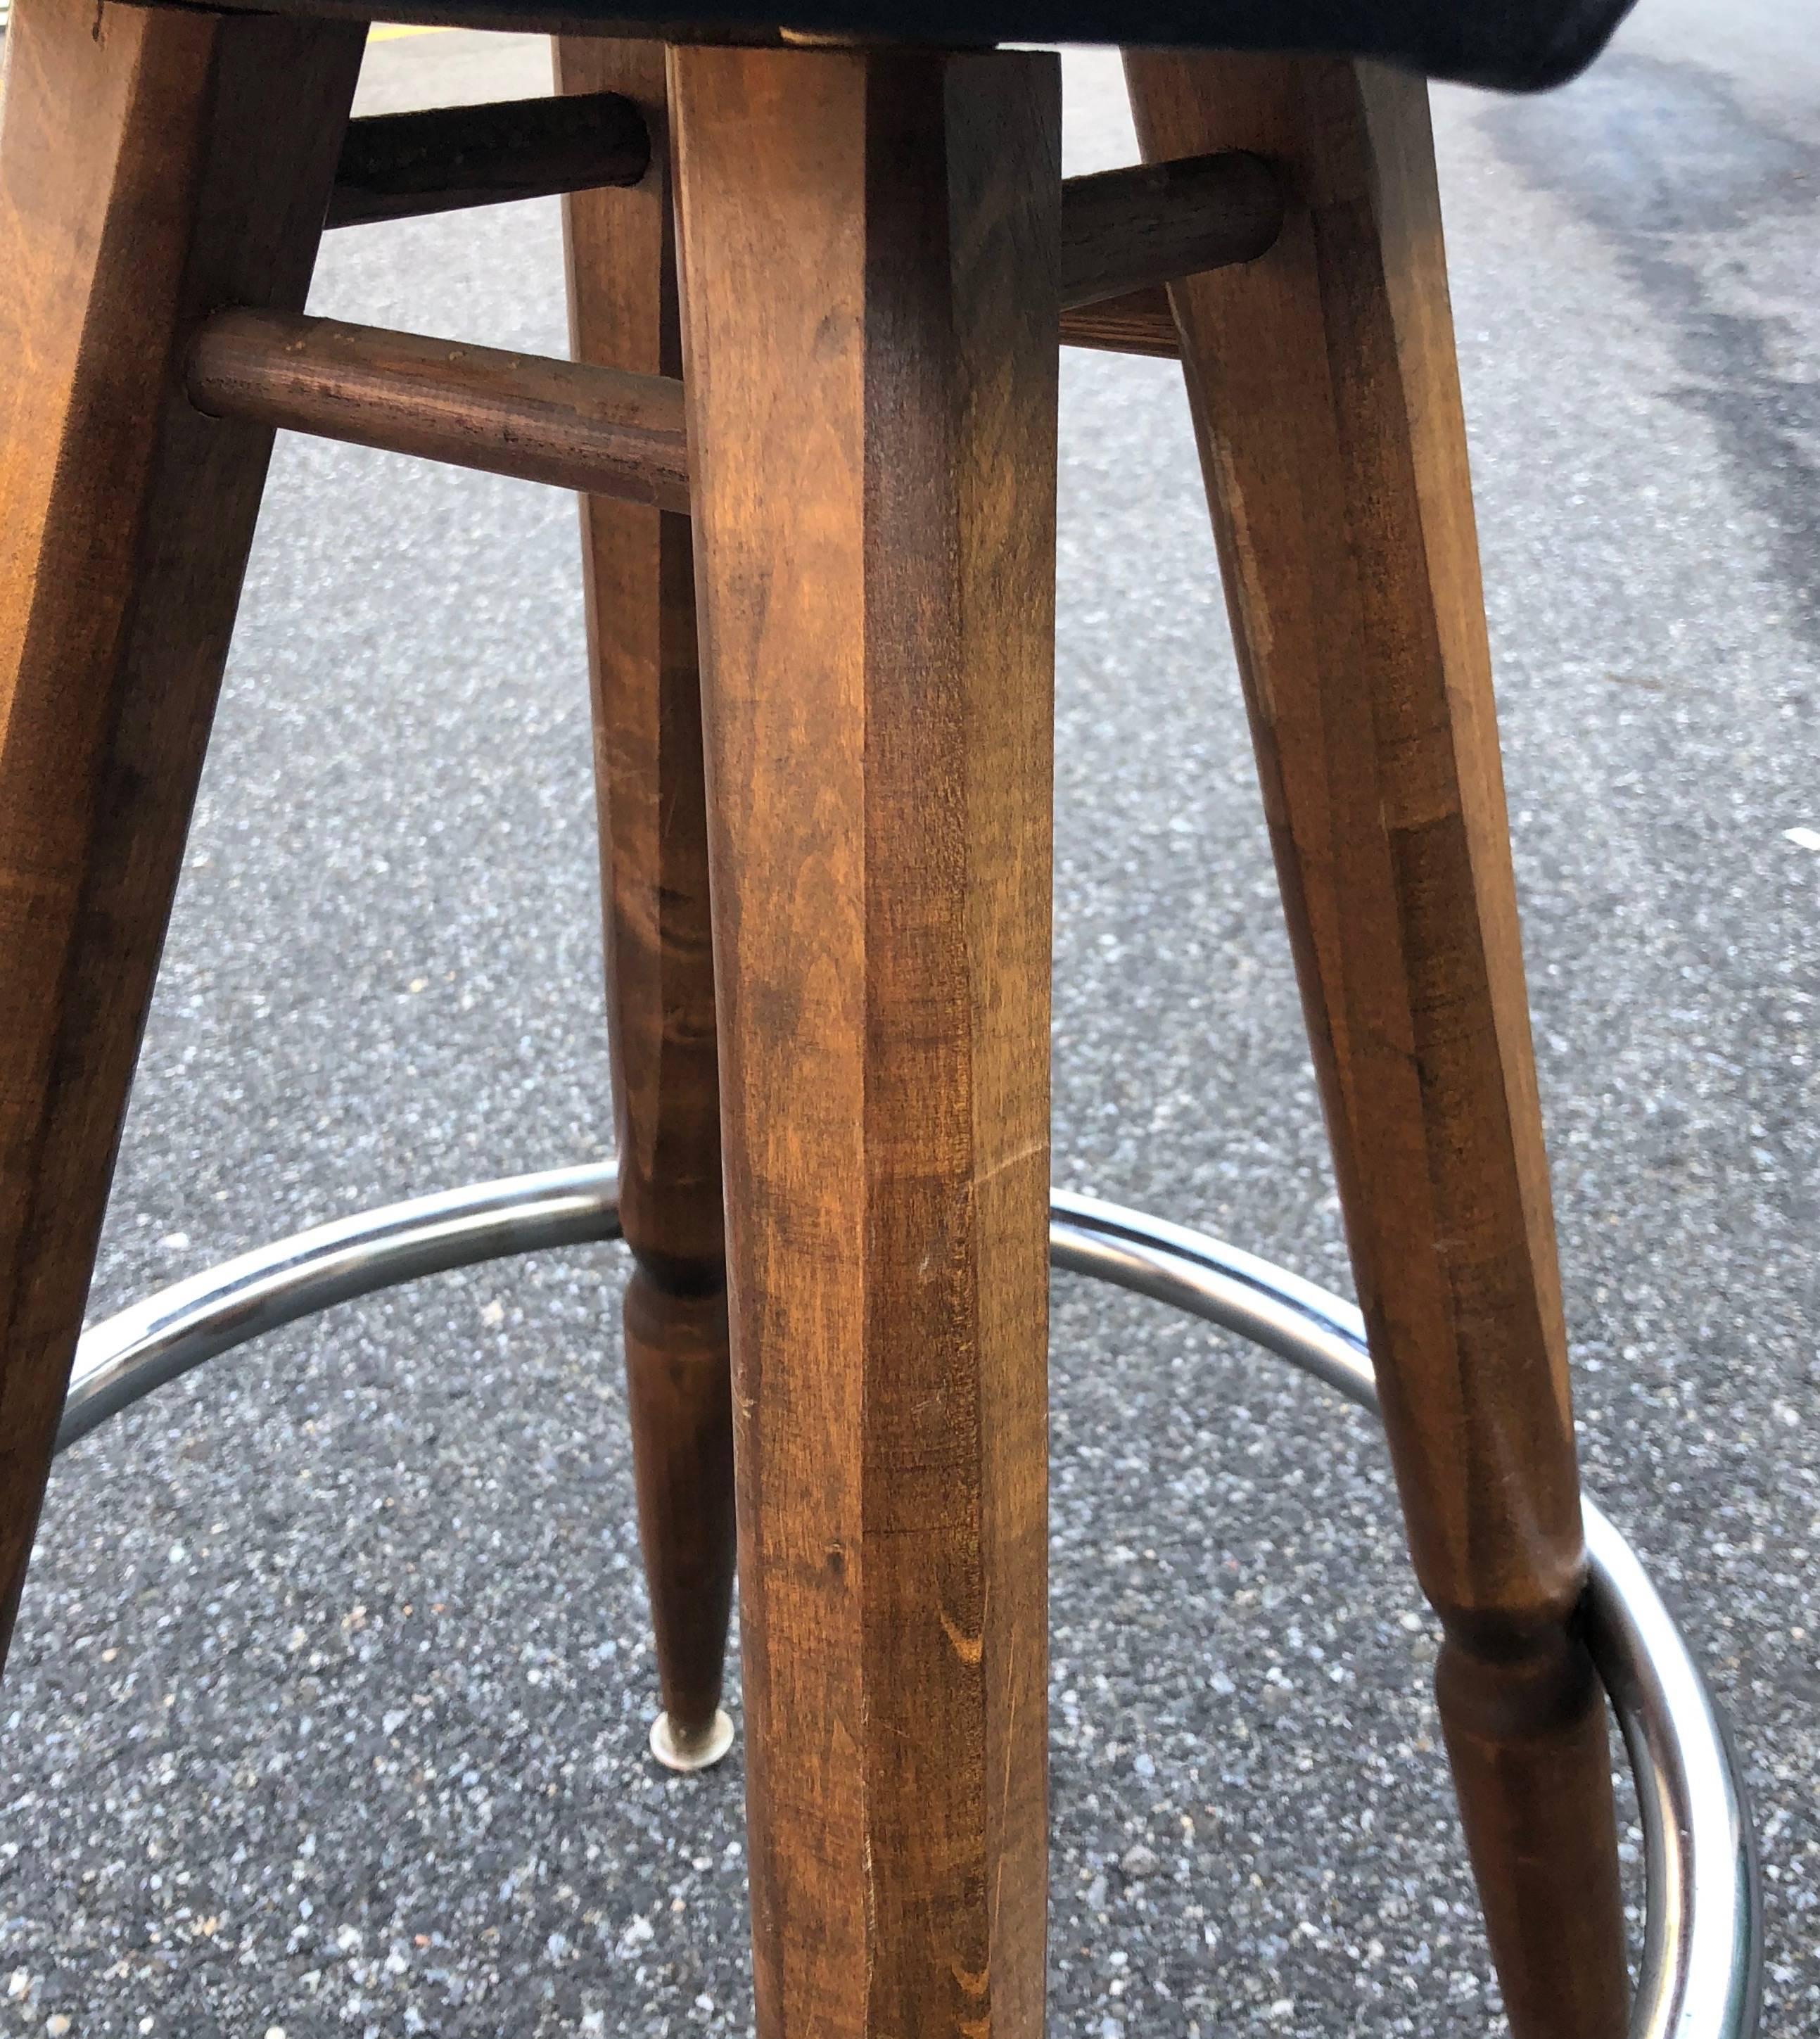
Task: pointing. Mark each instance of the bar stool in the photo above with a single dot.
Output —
(819, 274)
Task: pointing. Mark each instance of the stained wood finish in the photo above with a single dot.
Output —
(152, 164)
(1327, 402)
(869, 294)
(640, 577)
(447, 158)
(562, 422)
(1141, 322)
(1128, 230)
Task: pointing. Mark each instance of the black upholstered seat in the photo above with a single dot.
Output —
(1519, 44)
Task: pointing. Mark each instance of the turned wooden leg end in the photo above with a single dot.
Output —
(679, 1395)
(1327, 405)
(1528, 1738)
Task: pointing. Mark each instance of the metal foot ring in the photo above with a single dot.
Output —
(1703, 1937)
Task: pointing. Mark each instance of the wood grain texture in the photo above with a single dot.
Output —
(869, 294)
(1327, 403)
(562, 422)
(1141, 322)
(152, 164)
(447, 158)
(1129, 230)
(640, 573)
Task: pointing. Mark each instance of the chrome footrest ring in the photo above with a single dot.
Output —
(1703, 1939)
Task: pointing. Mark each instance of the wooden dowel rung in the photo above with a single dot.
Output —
(598, 430)
(1124, 232)
(1139, 322)
(607, 433)
(396, 165)
(1128, 230)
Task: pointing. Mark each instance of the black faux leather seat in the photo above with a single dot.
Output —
(1521, 45)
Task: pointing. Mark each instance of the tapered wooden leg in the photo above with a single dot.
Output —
(640, 577)
(870, 340)
(1327, 402)
(153, 165)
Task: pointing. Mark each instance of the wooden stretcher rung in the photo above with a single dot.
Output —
(1124, 232)
(598, 430)
(397, 165)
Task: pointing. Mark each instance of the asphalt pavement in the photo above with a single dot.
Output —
(326, 1711)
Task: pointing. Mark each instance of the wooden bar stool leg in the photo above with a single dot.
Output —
(1327, 402)
(869, 293)
(640, 577)
(153, 165)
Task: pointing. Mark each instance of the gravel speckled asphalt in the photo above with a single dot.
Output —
(326, 1711)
